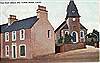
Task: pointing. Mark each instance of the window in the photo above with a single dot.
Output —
(74, 35)
(66, 32)
(13, 35)
(49, 34)
(7, 36)
(22, 34)
(82, 34)
(73, 11)
(22, 50)
(6, 50)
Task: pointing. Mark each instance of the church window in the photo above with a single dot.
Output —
(74, 35)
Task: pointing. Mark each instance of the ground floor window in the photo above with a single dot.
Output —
(74, 35)
(22, 50)
(7, 50)
(82, 34)
(14, 51)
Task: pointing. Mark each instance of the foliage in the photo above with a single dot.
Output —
(93, 38)
(60, 40)
(67, 38)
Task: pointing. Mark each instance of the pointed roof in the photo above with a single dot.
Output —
(72, 10)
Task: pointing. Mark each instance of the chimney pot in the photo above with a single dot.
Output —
(42, 12)
(11, 19)
(42, 8)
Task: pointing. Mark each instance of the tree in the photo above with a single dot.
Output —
(60, 40)
(93, 38)
(67, 38)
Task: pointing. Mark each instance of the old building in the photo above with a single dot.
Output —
(27, 38)
(72, 27)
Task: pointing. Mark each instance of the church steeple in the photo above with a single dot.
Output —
(72, 10)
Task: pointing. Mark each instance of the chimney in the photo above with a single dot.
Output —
(42, 13)
(11, 19)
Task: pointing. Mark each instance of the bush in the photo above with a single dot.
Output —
(67, 39)
(60, 40)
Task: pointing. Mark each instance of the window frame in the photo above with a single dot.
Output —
(76, 36)
(80, 34)
(6, 34)
(7, 55)
(67, 32)
(23, 34)
(13, 33)
(20, 51)
(49, 34)
(14, 44)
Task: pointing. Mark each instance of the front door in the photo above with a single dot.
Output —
(14, 53)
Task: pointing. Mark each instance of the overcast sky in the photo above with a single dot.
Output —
(88, 10)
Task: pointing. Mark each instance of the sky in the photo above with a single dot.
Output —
(88, 10)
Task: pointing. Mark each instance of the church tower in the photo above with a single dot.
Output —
(73, 21)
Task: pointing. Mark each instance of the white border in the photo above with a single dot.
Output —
(6, 36)
(67, 32)
(19, 50)
(13, 33)
(80, 34)
(76, 37)
(6, 50)
(14, 44)
(23, 34)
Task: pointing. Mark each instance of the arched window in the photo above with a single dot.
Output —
(82, 34)
(67, 32)
(74, 35)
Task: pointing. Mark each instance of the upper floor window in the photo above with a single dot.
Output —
(13, 35)
(82, 34)
(49, 34)
(67, 32)
(6, 36)
(6, 50)
(22, 50)
(22, 34)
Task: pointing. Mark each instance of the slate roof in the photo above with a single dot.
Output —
(81, 26)
(21, 24)
(61, 26)
(2, 27)
(72, 10)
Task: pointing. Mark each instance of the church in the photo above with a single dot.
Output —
(71, 33)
